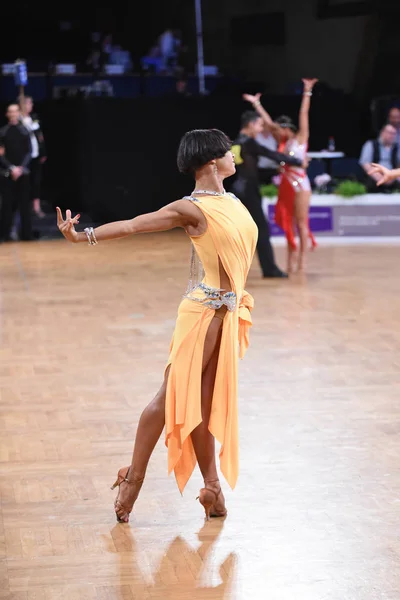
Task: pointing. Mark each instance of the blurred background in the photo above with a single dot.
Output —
(115, 87)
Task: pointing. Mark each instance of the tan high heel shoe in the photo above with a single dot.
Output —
(123, 478)
(208, 499)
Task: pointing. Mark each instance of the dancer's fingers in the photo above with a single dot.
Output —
(59, 216)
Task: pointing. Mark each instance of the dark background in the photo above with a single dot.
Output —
(116, 157)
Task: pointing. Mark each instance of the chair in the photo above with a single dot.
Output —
(346, 168)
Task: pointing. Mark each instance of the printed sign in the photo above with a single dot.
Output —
(321, 219)
(346, 219)
(367, 220)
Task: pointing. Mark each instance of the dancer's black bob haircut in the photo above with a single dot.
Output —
(199, 147)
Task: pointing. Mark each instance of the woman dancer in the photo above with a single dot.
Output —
(294, 195)
(197, 401)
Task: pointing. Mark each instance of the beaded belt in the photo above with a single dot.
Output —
(213, 298)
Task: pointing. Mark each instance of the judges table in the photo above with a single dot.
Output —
(371, 215)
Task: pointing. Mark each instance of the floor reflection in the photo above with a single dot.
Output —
(183, 573)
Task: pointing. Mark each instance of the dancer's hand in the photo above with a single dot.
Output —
(252, 99)
(309, 84)
(67, 226)
(381, 174)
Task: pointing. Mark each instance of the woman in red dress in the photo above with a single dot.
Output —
(294, 195)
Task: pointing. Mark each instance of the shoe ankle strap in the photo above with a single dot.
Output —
(216, 494)
(134, 480)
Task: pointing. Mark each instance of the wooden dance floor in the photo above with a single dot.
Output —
(84, 335)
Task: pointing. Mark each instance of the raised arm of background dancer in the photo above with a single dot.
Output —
(255, 148)
(269, 124)
(181, 213)
(304, 127)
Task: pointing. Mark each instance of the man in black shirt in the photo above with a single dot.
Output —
(15, 155)
(247, 184)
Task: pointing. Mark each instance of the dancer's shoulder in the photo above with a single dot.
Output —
(191, 198)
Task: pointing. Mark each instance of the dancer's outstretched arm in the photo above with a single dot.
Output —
(181, 213)
(382, 174)
(269, 124)
(304, 128)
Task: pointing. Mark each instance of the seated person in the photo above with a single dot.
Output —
(153, 61)
(121, 57)
(394, 120)
(382, 151)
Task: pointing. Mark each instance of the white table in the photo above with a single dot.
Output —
(325, 154)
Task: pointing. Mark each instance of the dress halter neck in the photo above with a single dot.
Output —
(208, 193)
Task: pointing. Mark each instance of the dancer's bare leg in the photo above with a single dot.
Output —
(150, 427)
(203, 440)
(291, 253)
(152, 421)
(302, 205)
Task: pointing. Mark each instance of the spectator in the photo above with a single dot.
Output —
(121, 57)
(169, 44)
(153, 61)
(382, 151)
(394, 120)
(15, 156)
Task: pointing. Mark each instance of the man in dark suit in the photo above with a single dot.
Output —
(247, 185)
(15, 156)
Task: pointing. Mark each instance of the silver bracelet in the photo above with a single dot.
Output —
(90, 236)
(307, 93)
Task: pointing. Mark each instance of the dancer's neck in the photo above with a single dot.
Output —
(209, 183)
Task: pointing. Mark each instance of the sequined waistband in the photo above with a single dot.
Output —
(213, 297)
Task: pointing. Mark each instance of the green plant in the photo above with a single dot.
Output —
(269, 190)
(349, 189)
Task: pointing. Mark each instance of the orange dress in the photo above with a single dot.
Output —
(230, 237)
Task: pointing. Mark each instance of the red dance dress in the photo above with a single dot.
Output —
(294, 179)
